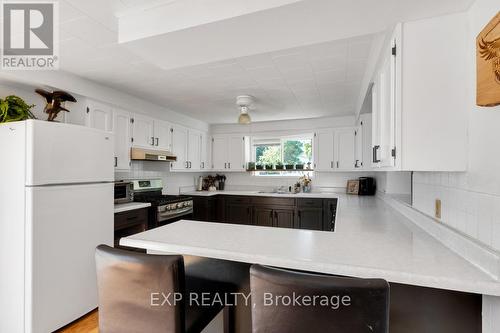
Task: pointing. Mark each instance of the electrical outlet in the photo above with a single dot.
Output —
(437, 212)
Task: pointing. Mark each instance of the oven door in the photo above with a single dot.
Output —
(166, 217)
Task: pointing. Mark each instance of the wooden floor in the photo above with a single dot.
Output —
(87, 324)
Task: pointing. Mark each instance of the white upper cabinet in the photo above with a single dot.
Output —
(335, 149)
(143, 131)
(99, 116)
(105, 117)
(365, 128)
(236, 153)
(420, 97)
(358, 147)
(162, 135)
(194, 150)
(187, 145)
(228, 152)
(344, 149)
(204, 162)
(219, 153)
(151, 133)
(323, 150)
(179, 147)
(384, 112)
(123, 133)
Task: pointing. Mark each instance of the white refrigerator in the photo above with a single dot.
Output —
(56, 206)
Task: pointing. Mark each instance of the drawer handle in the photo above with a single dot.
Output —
(132, 218)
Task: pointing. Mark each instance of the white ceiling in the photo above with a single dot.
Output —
(310, 80)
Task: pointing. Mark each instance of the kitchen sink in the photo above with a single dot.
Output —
(275, 192)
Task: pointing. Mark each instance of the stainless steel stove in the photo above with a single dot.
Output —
(164, 208)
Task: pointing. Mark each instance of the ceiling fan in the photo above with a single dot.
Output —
(245, 103)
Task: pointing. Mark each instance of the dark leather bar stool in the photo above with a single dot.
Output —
(126, 281)
(274, 309)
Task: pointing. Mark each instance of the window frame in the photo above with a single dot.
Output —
(272, 140)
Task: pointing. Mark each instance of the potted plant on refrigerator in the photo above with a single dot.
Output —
(14, 108)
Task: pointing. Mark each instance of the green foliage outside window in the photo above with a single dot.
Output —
(268, 154)
(290, 151)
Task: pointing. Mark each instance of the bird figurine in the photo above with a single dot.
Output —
(55, 101)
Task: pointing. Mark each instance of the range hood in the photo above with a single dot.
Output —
(140, 154)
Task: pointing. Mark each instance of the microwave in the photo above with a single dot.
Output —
(122, 192)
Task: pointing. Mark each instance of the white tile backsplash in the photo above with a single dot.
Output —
(172, 181)
(320, 180)
(473, 213)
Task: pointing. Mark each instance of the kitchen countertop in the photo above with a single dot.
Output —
(265, 194)
(371, 240)
(123, 207)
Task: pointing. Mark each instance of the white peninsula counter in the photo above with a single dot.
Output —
(371, 240)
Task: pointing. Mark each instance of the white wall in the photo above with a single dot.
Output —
(470, 200)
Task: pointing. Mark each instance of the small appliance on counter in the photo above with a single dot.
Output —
(122, 192)
(367, 186)
(199, 185)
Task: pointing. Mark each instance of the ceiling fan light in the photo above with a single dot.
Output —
(244, 118)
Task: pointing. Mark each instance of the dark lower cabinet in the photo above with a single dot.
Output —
(309, 218)
(129, 223)
(271, 217)
(238, 210)
(300, 213)
(329, 214)
(263, 216)
(284, 218)
(205, 209)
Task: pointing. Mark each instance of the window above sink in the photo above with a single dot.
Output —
(286, 156)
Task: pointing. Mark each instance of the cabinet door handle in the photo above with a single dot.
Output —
(225, 165)
(190, 165)
(331, 165)
(229, 165)
(152, 141)
(203, 165)
(187, 164)
(356, 164)
(375, 157)
(116, 161)
(157, 141)
(337, 164)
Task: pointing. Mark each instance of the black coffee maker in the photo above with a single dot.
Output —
(367, 186)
